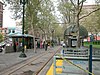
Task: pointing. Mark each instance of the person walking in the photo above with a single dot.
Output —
(46, 46)
(14, 46)
(30, 45)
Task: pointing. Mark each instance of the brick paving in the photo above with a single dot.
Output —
(9, 59)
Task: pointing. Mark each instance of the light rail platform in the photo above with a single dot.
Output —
(74, 62)
(63, 68)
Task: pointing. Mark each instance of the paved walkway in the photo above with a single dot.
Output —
(9, 59)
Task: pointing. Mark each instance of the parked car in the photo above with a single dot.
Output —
(1, 49)
(2, 45)
(8, 42)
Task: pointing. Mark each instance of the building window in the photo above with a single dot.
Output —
(5, 31)
(0, 24)
(1, 16)
(0, 6)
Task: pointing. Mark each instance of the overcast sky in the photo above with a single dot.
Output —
(8, 22)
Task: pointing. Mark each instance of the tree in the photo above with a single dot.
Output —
(15, 8)
(38, 15)
(97, 16)
(77, 6)
(91, 22)
(1, 37)
(59, 31)
(45, 17)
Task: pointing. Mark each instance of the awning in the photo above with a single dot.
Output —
(19, 35)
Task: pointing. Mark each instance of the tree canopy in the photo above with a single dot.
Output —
(40, 18)
(39, 15)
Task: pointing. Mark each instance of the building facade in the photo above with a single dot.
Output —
(89, 8)
(1, 14)
(3, 31)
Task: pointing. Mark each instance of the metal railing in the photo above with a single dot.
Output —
(63, 66)
(82, 54)
(75, 52)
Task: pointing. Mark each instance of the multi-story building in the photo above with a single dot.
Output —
(1, 14)
(89, 8)
(3, 31)
(6, 31)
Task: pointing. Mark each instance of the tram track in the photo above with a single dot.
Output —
(19, 66)
(46, 63)
(16, 68)
(43, 66)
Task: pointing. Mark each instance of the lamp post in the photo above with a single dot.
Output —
(23, 2)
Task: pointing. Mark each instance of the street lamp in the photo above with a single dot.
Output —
(23, 2)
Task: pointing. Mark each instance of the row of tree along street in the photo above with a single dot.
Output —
(41, 20)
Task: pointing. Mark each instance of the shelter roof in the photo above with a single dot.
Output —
(73, 29)
(18, 35)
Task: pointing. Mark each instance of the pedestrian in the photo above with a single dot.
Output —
(41, 44)
(25, 47)
(14, 46)
(37, 44)
(52, 43)
(19, 46)
(46, 46)
(30, 45)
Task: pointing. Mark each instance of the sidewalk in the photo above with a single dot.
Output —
(9, 59)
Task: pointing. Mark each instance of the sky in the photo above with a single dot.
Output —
(7, 18)
(9, 22)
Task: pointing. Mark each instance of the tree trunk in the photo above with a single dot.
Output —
(45, 35)
(77, 22)
(33, 34)
(78, 36)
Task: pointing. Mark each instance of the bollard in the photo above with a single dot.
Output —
(90, 60)
(62, 52)
(54, 66)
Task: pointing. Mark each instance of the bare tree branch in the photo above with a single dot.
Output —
(39, 2)
(73, 4)
(82, 1)
(69, 17)
(66, 17)
(89, 13)
(80, 7)
(41, 29)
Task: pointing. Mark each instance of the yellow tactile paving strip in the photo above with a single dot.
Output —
(58, 70)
